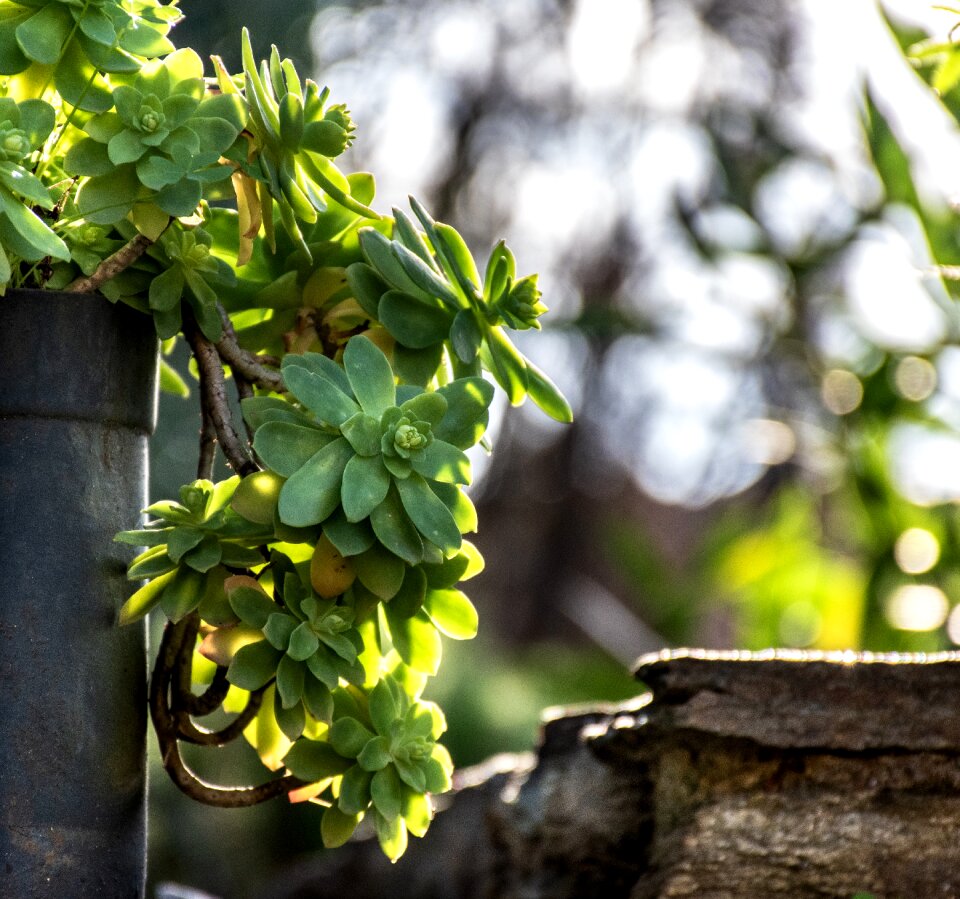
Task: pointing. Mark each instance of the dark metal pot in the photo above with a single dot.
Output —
(77, 404)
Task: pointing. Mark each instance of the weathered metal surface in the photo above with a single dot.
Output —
(76, 407)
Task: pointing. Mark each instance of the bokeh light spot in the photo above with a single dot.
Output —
(768, 442)
(916, 551)
(841, 391)
(917, 607)
(915, 378)
(953, 625)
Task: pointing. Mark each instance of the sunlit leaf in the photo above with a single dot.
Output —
(313, 492)
(452, 613)
(370, 376)
(392, 835)
(145, 599)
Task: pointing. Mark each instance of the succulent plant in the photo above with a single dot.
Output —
(393, 740)
(372, 458)
(23, 129)
(424, 287)
(190, 271)
(157, 147)
(81, 41)
(306, 643)
(317, 588)
(191, 544)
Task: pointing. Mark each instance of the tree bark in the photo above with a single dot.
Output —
(737, 775)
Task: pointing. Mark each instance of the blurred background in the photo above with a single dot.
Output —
(734, 206)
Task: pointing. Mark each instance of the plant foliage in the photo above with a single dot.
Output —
(309, 593)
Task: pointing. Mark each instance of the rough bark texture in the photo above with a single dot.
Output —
(738, 775)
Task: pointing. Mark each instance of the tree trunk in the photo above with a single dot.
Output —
(738, 775)
(77, 406)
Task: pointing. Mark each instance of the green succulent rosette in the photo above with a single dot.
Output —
(417, 604)
(159, 146)
(307, 643)
(294, 137)
(191, 272)
(425, 289)
(379, 457)
(23, 129)
(82, 40)
(387, 761)
(191, 547)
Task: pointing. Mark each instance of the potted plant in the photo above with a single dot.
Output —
(307, 594)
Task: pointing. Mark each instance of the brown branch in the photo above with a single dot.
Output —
(208, 446)
(184, 702)
(213, 395)
(244, 390)
(223, 797)
(190, 732)
(111, 266)
(172, 647)
(210, 699)
(246, 365)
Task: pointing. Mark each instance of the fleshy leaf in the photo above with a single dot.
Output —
(336, 827)
(145, 599)
(313, 760)
(392, 836)
(348, 537)
(289, 682)
(313, 492)
(380, 571)
(547, 395)
(365, 485)
(416, 641)
(442, 461)
(286, 447)
(467, 403)
(394, 529)
(322, 397)
(303, 642)
(251, 604)
(384, 709)
(417, 812)
(370, 376)
(387, 792)
(375, 755)
(412, 322)
(452, 613)
(254, 665)
(355, 790)
(348, 736)
(431, 517)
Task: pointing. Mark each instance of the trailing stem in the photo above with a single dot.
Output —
(172, 703)
(214, 398)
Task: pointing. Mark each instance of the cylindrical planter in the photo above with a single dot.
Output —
(77, 404)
